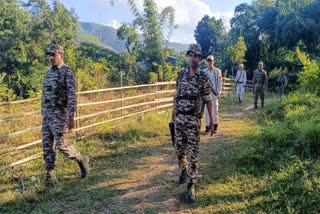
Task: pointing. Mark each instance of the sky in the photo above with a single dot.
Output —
(187, 13)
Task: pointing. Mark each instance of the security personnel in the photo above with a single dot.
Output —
(282, 82)
(215, 79)
(241, 79)
(192, 90)
(58, 108)
(260, 82)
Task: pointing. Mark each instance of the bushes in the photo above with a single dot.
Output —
(285, 153)
(290, 128)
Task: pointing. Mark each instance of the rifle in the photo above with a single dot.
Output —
(212, 89)
(171, 127)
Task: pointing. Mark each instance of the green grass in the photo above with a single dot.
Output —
(261, 161)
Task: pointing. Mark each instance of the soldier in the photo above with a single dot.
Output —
(58, 108)
(282, 81)
(215, 79)
(260, 82)
(192, 90)
(241, 79)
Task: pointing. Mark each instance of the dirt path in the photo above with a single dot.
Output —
(156, 190)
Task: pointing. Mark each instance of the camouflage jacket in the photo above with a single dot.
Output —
(260, 77)
(282, 79)
(59, 89)
(191, 93)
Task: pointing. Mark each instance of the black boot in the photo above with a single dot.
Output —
(84, 166)
(182, 177)
(255, 106)
(191, 193)
(215, 128)
(206, 131)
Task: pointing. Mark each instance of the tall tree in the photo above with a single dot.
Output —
(210, 34)
(237, 51)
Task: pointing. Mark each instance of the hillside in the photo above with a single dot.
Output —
(108, 37)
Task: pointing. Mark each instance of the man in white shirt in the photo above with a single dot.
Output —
(215, 78)
(241, 79)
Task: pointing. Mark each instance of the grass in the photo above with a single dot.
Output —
(253, 165)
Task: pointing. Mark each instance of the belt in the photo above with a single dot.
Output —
(187, 97)
(189, 112)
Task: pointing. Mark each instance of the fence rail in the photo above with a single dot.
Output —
(94, 108)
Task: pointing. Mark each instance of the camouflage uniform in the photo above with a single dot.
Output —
(282, 81)
(259, 82)
(191, 93)
(58, 105)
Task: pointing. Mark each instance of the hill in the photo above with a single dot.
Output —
(108, 37)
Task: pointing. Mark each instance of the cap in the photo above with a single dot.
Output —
(55, 48)
(195, 48)
(210, 57)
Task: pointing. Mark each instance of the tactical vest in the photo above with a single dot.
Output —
(54, 92)
(196, 98)
(260, 76)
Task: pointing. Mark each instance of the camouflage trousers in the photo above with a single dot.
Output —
(188, 127)
(282, 90)
(258, 90)
(54, 129)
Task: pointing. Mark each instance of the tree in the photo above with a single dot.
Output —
(64, 29)
(130, 35)
(153, 26)
(238, 51)
(210, 34)
(309, 78)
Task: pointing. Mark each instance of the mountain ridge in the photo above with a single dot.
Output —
(107, 37)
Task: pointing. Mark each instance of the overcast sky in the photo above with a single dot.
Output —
(188, 13)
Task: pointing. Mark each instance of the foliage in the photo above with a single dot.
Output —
(6, 94)
(310, 76)
(210, 34)
(285, 155)
(238, 51)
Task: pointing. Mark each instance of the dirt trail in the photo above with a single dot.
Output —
(156, 191)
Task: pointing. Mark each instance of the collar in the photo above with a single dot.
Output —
(58, 66)
(188, 71)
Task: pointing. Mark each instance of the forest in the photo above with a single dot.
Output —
(281, 33)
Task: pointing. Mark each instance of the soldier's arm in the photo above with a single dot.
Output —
(254, 78)
(71, 93)
(266, 82)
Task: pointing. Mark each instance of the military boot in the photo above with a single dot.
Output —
(255, 106)
(215, 128)
(182, 177)
(51, 179)
(191, 193)
(206, 131)
(84, 165)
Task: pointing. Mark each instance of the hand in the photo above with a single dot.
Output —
(70, 123)
(211, 129)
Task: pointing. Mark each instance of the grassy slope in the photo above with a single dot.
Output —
(133, 170)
